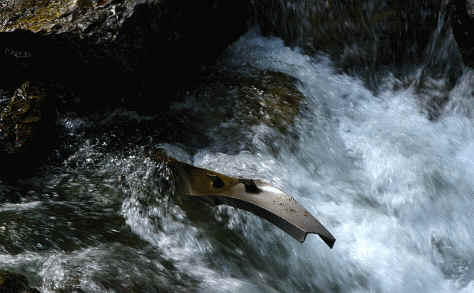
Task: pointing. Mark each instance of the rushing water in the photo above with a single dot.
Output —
(392, 185)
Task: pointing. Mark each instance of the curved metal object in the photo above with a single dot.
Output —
(255, 196)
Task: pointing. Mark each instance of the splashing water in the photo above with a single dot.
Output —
(393, 186)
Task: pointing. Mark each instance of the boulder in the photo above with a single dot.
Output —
(252, 96)
(111, 52)
(268, 97)
(462, 22)
(14, 283)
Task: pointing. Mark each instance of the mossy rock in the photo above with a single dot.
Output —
(256, 97)
(33, 15)
(14, 283)
(271, 98)
(29, 115)
(46, 15)
(104, 50)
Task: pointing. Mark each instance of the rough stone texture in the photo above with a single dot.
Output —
(14, 283)
(257, 96)
(229, 99)
(27, 129)
(462, 22)
(27, 119)
(115, 51)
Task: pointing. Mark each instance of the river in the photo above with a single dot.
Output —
(393, 185)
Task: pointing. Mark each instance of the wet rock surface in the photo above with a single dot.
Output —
(358, 35)
(115, 51)
(27, 124)
(258, 96)
(14, 283)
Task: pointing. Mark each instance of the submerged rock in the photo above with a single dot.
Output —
(116, 51)
(462, 21)
(14, 283)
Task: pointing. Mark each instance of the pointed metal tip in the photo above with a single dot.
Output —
(328, 239)
(255, 196)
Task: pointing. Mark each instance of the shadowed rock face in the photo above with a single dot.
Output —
(462, 21)
(27, 126)
(115, 51)
(368, 38)
(356, 34)
(14, 283)
(28, 115)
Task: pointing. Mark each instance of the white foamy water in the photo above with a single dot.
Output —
(395, 188)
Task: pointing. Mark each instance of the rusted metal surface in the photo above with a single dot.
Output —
(255, 196)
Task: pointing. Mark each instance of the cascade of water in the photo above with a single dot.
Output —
(360, 36)
(393, 184)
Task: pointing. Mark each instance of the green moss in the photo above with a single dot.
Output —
(85, 4)
(270, 97)
(22, 117)
(35, 15)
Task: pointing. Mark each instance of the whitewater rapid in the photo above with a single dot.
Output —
(394, 187)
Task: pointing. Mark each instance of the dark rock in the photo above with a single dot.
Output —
(29, 115)
(358, 35)
(14, 283)
(111, 52)
(462, 22)
(228, 99)
(253, 96)
(27, 125)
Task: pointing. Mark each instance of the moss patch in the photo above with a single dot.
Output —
(23, 118)
(267, 97)
(36, 15)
